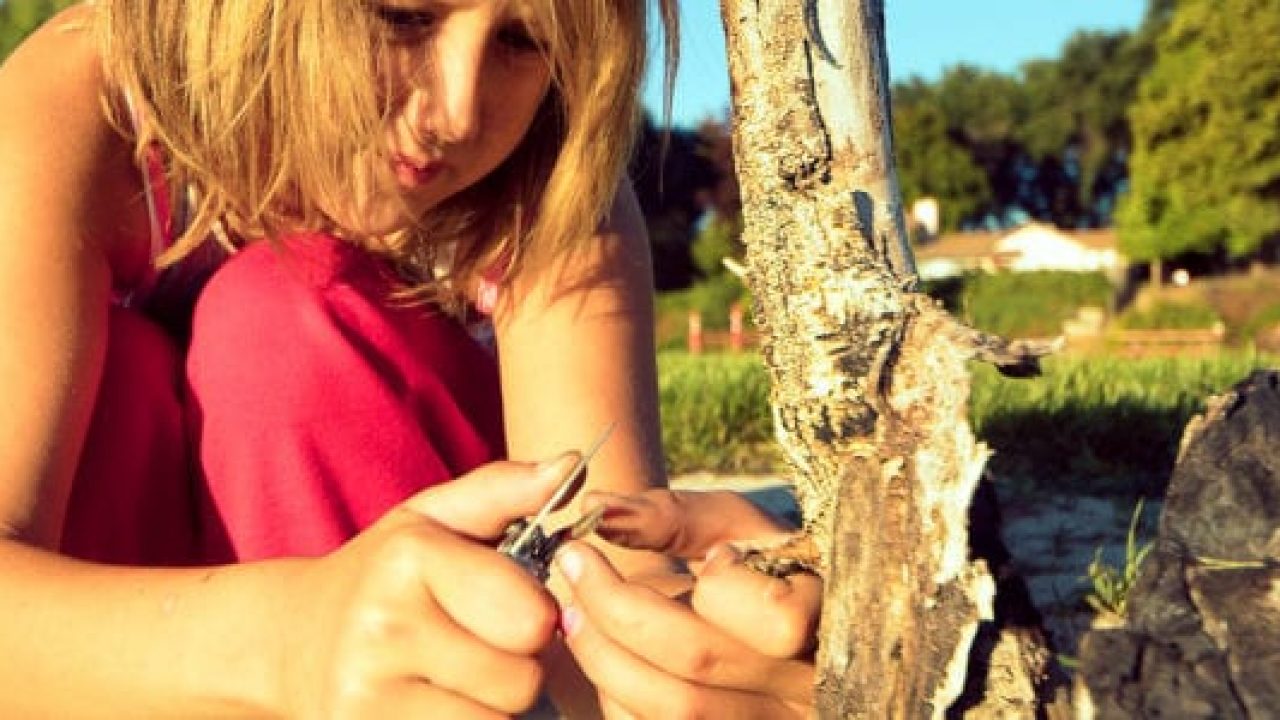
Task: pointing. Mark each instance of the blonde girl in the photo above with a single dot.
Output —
(402, 168)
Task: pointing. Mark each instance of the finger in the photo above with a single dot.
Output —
(632, 687)
(483, 502)
(420, 699)
(455, 660)
(613, 711)
(487, 594)
(644, 622)
(777, 617)
(680, 523)
(648, 520)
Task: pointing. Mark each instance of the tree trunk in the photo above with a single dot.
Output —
(869, 379)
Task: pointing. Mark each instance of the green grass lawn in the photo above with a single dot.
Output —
(1089, 424)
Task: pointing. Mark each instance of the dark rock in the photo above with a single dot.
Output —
(1241, 611)
(1202, 635)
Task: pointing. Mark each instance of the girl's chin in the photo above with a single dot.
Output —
(388, 218)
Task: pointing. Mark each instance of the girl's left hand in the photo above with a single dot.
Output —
(741, 647)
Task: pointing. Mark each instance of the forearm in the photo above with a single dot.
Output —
(84, 640)
(577, 355)
(581, 363)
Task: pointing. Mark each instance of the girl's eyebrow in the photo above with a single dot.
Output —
(521, 10)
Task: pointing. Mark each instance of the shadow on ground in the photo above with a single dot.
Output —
(1126, 449)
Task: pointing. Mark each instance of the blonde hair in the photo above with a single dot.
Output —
(266, 106)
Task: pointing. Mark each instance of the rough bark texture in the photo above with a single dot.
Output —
(1202, 636)
(869, 379)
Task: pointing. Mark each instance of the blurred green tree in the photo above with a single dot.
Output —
(983, 109)
(1076, 115)
(1205, 170)
(930, 162)
(719, 238)
(19, 17)
(671, 177)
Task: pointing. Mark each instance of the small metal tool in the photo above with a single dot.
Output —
(528, 544)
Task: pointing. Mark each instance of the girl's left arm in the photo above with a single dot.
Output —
(576, 353)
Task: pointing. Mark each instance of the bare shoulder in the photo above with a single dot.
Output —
(54, 81)
(65, 164)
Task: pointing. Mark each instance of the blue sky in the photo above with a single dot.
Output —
(924, 38)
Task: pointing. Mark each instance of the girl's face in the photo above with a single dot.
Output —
(464, 80)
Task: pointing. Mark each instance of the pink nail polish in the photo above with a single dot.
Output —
(570, 621)
(570, 562)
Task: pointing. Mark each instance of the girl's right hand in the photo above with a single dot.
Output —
(418, 616)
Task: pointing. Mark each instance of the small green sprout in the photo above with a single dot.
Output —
(1111, 585)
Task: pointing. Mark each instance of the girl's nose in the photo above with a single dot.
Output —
(448, 108)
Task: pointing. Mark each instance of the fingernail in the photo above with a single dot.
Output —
(570, 621)
(718, 557)
(553, 468)
(615, 505)
(570, 562)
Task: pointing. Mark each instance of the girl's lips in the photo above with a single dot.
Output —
(413, 175)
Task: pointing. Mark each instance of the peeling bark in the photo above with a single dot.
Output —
(869, 384)
(820, 211)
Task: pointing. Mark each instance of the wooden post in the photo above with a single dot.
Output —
(695, 332)
(735, 327)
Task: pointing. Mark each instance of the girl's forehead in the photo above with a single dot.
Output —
(515, 7)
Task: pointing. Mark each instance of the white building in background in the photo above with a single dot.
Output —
(1033, 246)
(925, 214)
(1036, 246)
(957, 253)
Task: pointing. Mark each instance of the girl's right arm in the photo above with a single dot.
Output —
(65, 207)
(383, 626)
(77, 638)
(412, 618)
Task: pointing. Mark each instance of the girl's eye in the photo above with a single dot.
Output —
(404, 25)
(516, 38)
